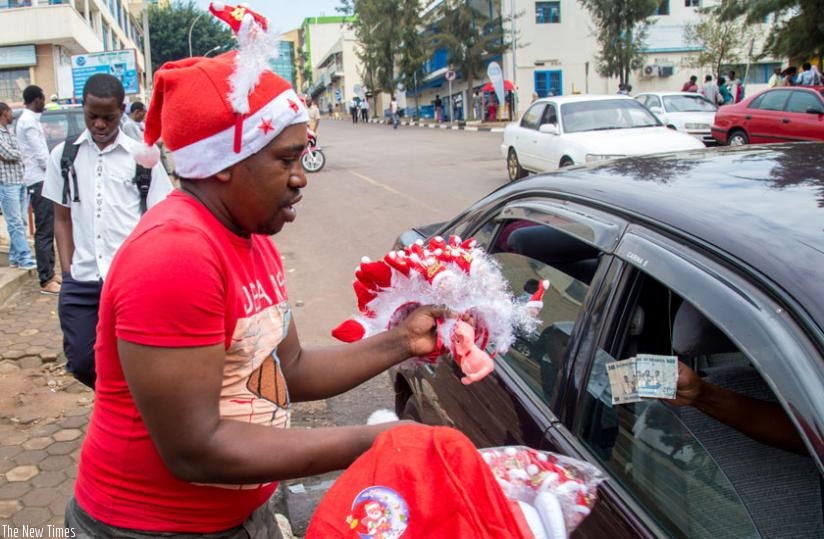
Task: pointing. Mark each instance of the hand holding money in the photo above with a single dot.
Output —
(688, 388)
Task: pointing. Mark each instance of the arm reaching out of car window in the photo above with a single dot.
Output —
(763, 421)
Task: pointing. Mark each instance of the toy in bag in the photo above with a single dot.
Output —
(454, 273)
(554, 493)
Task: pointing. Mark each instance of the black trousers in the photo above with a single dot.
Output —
(43, 210)
(77, 309)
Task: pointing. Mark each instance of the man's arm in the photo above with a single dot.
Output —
(35, 142)
(8, 152)
(763, 421)
(63, 236)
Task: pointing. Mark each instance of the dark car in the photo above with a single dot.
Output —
(59, 123)
(714, 256)
(784, 114)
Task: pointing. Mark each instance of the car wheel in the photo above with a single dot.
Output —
(738, 138)
(410, 410)
(513, 166)
(566, 162)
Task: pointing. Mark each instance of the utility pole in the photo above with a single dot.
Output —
(514, 58)
(147, 52)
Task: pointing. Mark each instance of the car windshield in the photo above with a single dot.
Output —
(600, 115)
(687, 103)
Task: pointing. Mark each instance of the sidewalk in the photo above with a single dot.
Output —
(494, 127)
(44, 412)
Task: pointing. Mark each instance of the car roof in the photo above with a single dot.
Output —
(689, 94)
(581, 97)
(760, 205)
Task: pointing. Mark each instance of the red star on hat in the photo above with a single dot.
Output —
(266, 125)
(294, 106)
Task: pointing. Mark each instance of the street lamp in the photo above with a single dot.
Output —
(514, 61)
(191, 26)
(147, 51)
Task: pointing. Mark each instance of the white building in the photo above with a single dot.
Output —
(40, 36)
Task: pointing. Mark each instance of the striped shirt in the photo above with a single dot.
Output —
(11, 168)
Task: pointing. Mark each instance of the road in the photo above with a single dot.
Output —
(377, 182)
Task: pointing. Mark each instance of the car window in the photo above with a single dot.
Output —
(56, 128)
(532, 117)
(696, 476)
(803, 101)
(550, 117)
(687, 103)
(605, 114)
(529, 253)
(771, 100)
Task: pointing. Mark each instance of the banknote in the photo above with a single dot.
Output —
(622, 381)
(657, 376)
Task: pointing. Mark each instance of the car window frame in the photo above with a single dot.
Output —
(812, 95)
(524, 119)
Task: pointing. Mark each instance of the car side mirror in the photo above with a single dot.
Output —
(656, 110)
(549, 129)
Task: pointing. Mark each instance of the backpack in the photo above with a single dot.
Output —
(142, 175)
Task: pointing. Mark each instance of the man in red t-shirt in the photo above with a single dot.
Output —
(198, 357)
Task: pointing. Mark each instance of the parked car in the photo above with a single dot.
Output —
(787, 113)
(714, 256)
(59, 123)
(686, 112)
(560, 131)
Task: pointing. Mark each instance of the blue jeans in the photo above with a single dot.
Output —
(12, 198)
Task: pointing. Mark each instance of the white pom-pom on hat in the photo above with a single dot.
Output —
(148, 156)
(381, 416)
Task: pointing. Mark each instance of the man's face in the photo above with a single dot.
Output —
(266, 186)
(39, 104)
(102, 116)
(139, 115)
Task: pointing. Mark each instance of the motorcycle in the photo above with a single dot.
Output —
(312, 158)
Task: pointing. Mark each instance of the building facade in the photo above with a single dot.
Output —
(40, 36)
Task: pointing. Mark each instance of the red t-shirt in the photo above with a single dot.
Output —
(182, 279)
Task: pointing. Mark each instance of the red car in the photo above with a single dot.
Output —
(785, 114)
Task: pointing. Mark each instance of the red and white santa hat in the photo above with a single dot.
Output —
(537, 299)
(215, 112)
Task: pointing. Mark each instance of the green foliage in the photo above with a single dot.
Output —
(621, 31)
(798, 32)
(470, 37)
(723, 41)
(169, 32)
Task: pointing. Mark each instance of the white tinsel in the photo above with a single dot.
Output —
(256, 47)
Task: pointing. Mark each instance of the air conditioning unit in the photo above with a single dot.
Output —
(649, 70)
(665, 71)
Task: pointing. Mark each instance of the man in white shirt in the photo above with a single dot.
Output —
(102, 208)
(132, 123)
(35, 153)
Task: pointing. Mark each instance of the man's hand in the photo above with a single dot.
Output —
(421, 328)
(688, 387)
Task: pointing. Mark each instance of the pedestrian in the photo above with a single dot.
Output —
(710, 91)
(35, 152)
(789, 76)
(393, 111)
(13, 193)
(329, 109)
(365, 110)
(724, 92)
(314, 115)
(775, 78)
(691, 85)
(353, 109)
(457, 104)
(736, 88)
(102, 209)
(477, 101)
(132, 124)
(808, 77)
(199, 354)
(53, 104)
(492, 107)
(438, 109)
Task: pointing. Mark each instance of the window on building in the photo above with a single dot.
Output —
(663, 8)
(547, 12)
(106, 43)
(12, 82)
(548, 83)
(692, 3)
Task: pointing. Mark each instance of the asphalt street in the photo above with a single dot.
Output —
(377, 183)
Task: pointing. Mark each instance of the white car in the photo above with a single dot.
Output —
(687, 112)
(560, 131)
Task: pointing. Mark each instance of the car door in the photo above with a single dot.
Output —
(799, 122)
(526, 143)
(676, 471)
(763, 118)
(549, 147)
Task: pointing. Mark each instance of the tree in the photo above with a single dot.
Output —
(470, 37)
(798, 31)
(621, 32)
(169, 32)
(414, 48)
(722, 41)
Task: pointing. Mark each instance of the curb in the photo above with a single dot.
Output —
(453, 127)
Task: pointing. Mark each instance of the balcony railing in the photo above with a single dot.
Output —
(10, 4)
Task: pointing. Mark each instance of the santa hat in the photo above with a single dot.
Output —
(537, 299)
(215, 112)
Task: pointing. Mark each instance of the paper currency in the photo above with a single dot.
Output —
(657, 376)
(622, 380)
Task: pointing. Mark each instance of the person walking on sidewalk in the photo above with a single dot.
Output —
(35, 153)
(199, 356)
(365, 111)
(102, 209)
(13, 193)
(393, 112)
